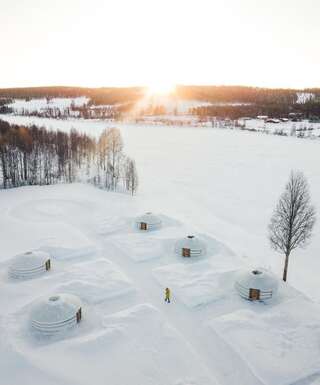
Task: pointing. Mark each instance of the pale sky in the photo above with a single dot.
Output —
(273, 43)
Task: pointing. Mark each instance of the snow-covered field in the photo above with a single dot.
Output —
(281, 341)
(221, 185)
(309, 130)
(38, 105)
(171, 104)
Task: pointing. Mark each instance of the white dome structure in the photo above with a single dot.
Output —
(29, 265)
(148, 221)
(56, 313)
(190, 246)
(257, 285)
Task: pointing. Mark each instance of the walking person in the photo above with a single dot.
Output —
(167, 295)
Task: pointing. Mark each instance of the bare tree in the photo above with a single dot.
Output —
(36, 156)
(293, 219)
(131, 176)
(115, 146)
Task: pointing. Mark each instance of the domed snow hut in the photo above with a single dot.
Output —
(257, 285)
(29, 265)
(190, 246)
(148, 221)
(56, 313)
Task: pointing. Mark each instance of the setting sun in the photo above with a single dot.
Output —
(161, 88)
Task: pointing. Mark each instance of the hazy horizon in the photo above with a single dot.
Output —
(145, 86)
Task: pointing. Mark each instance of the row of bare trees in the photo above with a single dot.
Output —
(81, 112)
(36, 156)
(114, 168)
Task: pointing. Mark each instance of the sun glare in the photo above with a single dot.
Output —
(161, 88)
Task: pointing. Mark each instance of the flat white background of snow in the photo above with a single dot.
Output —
(281, 346)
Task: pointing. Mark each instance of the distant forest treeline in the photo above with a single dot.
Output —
(112, 95)
(309, 110)
(37, 156)
(98, 96)
(249, 101)
(233, 94)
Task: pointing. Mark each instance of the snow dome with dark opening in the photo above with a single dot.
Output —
(257, 285)
(190, 246)
(29, 265)
(148, 221)
(56, 313)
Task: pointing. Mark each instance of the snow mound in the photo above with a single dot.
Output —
(27, 372)
(139, 248)
(121, 356)
(96, 281)
(66, 253)
(195, 284)
(111, 225)
(281, 346)
(49, 210)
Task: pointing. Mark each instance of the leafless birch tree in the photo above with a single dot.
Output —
(293, 219)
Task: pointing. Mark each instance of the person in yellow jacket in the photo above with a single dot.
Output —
(167, 295)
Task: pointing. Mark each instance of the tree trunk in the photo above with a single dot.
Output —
(4, 170)
(25, 166)
(285, 270)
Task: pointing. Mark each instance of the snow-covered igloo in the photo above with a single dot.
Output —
(56, 313)
(190, 246)
(257, 285)
(29, 264)
(148, 221)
